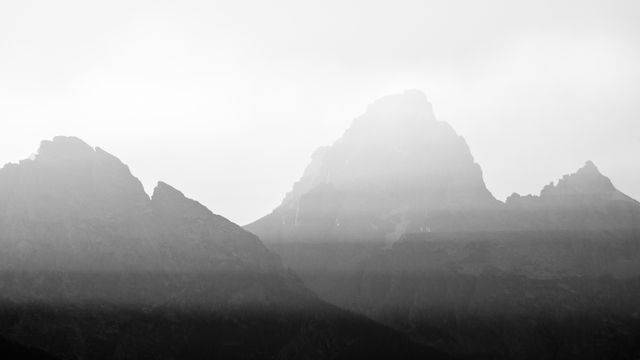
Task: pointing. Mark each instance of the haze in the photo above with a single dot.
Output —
(228, 100)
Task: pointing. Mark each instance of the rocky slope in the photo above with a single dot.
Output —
(91, 267)
(394, 221)
(584, 200)
(523, 294)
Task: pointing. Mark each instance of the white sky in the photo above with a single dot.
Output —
(227, 100)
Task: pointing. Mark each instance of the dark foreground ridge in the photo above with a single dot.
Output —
(91, 267)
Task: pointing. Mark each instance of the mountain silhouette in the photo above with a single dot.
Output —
(396, 169)
(584, 200)
(91, 267)
(395, 222)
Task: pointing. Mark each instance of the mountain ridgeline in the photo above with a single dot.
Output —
(394, 221)
(398, 170)
(91, 214)
(91, 267)
(390, 246)
(395, 170)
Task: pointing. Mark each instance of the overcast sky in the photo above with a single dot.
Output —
(227, 100)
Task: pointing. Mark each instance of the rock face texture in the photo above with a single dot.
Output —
(394, 221)
(396, 169)
(75, 208)
(60, 208)
(196, 239)
(584, 200)
(91, 267)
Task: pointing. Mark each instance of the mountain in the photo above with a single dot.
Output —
(394, 221)
(74, 199)
(396, 169)
(560, 278)
(584, 200)
(91, 267)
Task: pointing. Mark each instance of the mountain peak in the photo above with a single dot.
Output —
(167, 199)
(587, 180)
(589, 168)
(395, 168)
(63, 148)
(164, 189)
(409, 104)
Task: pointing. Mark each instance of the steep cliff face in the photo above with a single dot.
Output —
(396, 169)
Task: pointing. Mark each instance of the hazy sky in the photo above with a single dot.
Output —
(227, 100)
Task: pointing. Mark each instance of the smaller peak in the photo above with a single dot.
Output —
(168, 200)
(164, 189)
(587, 180)
(162, 184)
(514, 197)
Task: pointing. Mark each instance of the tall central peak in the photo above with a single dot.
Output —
(395, 165)
(411, 103)
(398, 120)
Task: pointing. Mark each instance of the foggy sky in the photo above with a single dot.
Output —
(227, 100)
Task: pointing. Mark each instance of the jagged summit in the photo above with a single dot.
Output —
(587, 180)
(75, 207)
(583, 200)
(396, 168)
(586, 184)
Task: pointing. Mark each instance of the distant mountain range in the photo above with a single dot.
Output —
(390, 246)
(394, 221)
(398, 170)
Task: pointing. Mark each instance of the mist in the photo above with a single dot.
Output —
(227, 100)
(320, 180)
